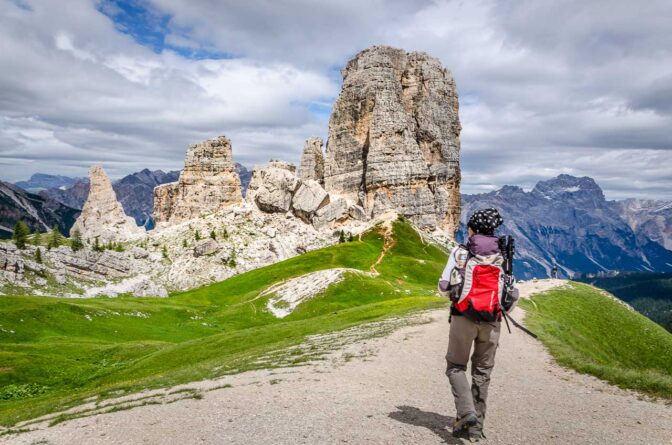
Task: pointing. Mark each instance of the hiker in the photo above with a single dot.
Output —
(554, 271)
(475, 280)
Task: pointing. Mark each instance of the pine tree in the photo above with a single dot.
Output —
(341, 237)
(184, 243)
(96, 245)
(20, 235)
(56, 238)
(38, 256)
(197, 235)
(37, 237)
(350, 237)
(225, 233)
(76, 242)
(213, 235)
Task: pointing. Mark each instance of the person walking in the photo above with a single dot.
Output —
(474, 281)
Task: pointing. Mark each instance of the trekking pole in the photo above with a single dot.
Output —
(519, 326)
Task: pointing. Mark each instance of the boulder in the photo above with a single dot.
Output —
(272, 187)
(309, 198)
(206, 247)
(335, 211)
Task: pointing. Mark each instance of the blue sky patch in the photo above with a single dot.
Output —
(150, 28)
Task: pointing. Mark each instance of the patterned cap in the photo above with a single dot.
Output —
(485, 221)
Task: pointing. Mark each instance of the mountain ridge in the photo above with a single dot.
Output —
(567, 221)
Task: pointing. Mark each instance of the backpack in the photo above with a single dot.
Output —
(477, 284)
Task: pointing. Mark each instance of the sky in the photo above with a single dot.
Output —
(546, 87)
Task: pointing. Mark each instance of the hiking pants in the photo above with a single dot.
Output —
(485, 338)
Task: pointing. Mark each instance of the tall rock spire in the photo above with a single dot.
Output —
(207, 184)
(103, 216)
(312, 161)
(394, 137)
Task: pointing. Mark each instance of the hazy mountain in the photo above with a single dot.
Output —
(649, 218)
(568, 222)
(37, 211)
(245, 176)
(42, 181)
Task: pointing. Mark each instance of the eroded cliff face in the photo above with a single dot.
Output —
(103, 216)
(394, 138)
(208, 183)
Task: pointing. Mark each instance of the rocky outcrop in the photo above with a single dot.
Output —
(272, 187)
(394, 138)
(102, 216)
(336, 211)
(312, 161)
(207, 184)
(308, 199)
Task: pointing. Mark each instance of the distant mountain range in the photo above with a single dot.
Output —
(135, 191)
(38, 212)
(566, 221)
(42, 181)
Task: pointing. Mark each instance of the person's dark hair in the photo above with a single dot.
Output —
(485, 221)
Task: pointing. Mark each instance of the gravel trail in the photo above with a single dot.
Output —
(389, 390)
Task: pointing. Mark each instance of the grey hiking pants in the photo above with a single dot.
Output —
(485, 338)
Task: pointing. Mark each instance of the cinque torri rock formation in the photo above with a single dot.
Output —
(394, 138)
(102, 216)
(393, 147)
(208, 183)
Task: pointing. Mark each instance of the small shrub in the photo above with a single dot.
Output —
(197, 235)
(213, 235)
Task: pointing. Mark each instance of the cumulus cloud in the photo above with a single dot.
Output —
(546, 87)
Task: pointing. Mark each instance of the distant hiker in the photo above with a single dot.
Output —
(475, 281)
(554, 271)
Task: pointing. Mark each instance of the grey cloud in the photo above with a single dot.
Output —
(547, 87)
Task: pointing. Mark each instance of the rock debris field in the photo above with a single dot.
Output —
(388, 388)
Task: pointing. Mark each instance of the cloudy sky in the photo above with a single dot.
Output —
(546, 87)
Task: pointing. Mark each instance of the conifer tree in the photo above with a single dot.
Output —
(213, 235)
(38, 256)
(76, 242)
(37, 237)
(197, 235)
(20, 234)
(341, 237)
(56, 238)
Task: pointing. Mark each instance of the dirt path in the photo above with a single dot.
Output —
(388, 390)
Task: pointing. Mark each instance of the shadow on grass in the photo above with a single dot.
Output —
(436, 423)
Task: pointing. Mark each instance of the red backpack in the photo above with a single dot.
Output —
(481, 288)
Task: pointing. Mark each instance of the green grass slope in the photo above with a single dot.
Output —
(589, 331)
(56, 352)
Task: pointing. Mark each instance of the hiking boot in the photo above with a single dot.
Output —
(464, 423)
(475, 435)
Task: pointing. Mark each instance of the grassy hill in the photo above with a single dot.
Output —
(594, 333)
(55, 352)
(650, 293)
